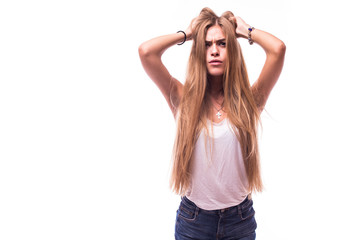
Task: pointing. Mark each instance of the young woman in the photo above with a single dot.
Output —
(215, 157)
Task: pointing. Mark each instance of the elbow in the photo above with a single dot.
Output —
(143, 51)
(146, 51)
(280, 49)
(277, 50)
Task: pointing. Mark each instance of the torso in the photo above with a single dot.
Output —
(218, 175)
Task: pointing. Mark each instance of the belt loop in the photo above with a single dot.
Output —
(239, 209)
(196, 211)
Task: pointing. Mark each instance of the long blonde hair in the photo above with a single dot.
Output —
(194, 107)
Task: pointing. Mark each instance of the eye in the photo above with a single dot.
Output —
(222, 44)
(207, 44)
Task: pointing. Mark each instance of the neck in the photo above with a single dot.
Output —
(216, 86)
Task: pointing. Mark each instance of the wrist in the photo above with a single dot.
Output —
(250, 31)
(188, 35)
(184, 37)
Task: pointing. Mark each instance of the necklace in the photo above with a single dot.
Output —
(218, 114)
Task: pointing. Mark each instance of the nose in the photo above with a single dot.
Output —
(214, 50)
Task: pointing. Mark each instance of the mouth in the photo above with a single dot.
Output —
(215, 62)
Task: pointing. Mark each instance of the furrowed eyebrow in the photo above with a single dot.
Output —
(219, 40)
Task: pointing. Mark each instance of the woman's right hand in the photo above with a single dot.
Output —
(190, 29)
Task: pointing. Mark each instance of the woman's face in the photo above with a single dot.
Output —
(216, 55)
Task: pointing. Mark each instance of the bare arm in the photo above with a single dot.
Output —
(150, 54)
(275, 54)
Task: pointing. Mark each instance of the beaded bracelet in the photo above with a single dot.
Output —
(250, 29)
(184, 37)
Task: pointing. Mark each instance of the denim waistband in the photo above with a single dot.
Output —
(245, 202)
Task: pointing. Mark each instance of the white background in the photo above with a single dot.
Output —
(86, 137)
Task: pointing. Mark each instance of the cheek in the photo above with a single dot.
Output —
(208, 55)
(225, 57)
(225, 54)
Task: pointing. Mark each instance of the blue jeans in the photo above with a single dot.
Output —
(237, 222)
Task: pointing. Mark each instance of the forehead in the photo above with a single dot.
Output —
(214, 33)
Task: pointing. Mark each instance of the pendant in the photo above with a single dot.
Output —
(218, 114)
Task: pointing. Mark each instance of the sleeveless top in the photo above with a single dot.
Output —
(218, 175)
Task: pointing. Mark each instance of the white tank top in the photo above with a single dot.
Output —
(219, 180)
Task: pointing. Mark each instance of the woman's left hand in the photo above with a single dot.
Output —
(242, 27)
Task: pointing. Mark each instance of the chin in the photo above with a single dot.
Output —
(216, 73)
